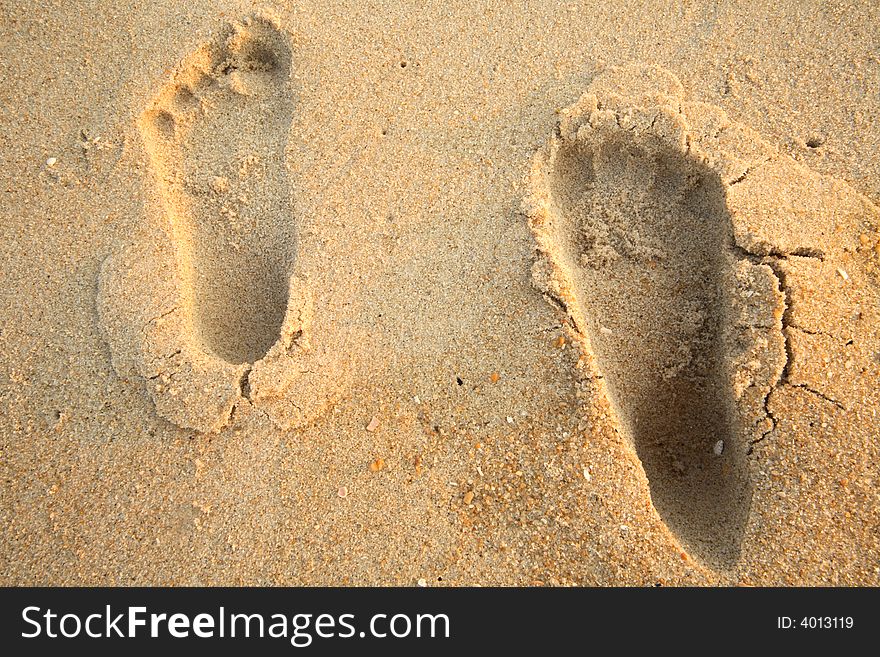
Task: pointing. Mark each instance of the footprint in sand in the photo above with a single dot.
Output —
(216, 137)
(218, 313)
(629, 207)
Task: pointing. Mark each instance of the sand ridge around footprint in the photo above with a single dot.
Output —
(663, 230)
(230, 325)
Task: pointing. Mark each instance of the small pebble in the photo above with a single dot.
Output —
(843, 274)
(469, 497)
(377, 465)
(604, 330)
(219, 184)
(342, 492)
(52, 161)
(719, 448)
(373, 425)
(560, 341)
(509, 420)
(494, 377)
(422, 582)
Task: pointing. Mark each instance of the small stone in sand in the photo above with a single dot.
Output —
(422, 582)
(373, 425)
(719, 448)
(560, 341)
(342, 492)
(843, 274)
(494, 377)
(377, 465)
(52, 161)
(469, 497)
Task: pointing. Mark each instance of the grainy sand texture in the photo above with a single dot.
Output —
(444, 293)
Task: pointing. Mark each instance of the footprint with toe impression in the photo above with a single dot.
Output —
(636, 243)
(218, 315)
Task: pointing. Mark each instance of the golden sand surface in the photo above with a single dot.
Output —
(474, 293)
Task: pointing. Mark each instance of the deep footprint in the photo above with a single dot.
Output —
(651, 230)
(635, 229)
(216, 136)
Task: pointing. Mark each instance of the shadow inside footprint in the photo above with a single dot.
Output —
(644, 230)
(216, 136)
